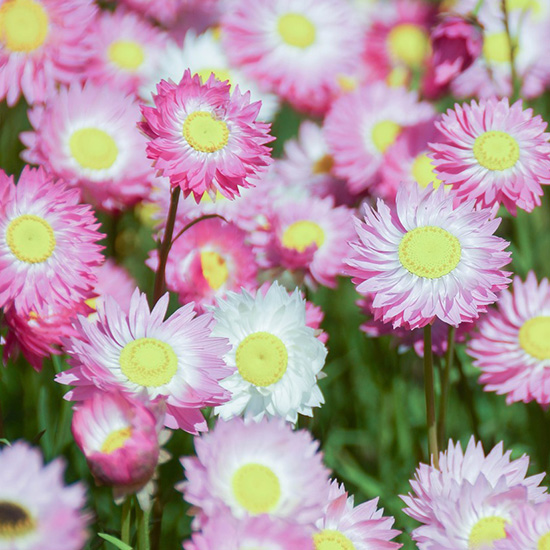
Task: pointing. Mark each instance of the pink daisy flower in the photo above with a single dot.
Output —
(297, 47)
(346, 526)
(512, 346)
(37, 509)
(87, 135)
(428, 258)
(113, 280)
(362, 125)
(494, 153)
(138, 353)
(48, 244)
(42, 43)
(529, 529)
(204, 138)
(256, 468)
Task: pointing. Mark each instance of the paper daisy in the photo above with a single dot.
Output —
(204, 138)
(37, 509)
(42, 43)
(298, 47)
(138, 353)
(275, 357)
(428, 259)
(48, 244)
(494, 153)
(256, 468)
(529, 529)
(512, 345)
(87, 135)
(362, 125)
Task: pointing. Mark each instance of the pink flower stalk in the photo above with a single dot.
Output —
(205, 138)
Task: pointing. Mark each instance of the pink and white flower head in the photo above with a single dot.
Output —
(125, 50)
(512, 345)
(48, 244)
(205, 138)
(346, 526)
(275, 358)
(206, 261)
(254, 468)
(88, 136)
(225, 531)
(139, 354)
(308, 237)
(42, 43)
(529, 529)
(297, 47)
(37, 509)
(494, 153)
(113, 280)
(428, 258)
(362, 125)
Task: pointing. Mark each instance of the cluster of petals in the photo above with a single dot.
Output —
(529, 528)
(113, 280)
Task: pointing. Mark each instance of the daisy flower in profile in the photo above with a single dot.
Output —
(48, 244)
(529, 529)
(251, 468)
(345, 526)
(297, 47)
(176, 361)
(275, 357)
(512, 344)
(37, 509)
(494, 153)
(42, 43)
(87, 135)
(205, 138)
(361, 126)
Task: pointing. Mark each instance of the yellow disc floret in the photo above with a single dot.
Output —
(127, 54)
(486, 531)
(296, 30)
(423, 172)
(116, 440)
(256, 488)
(93, 148)
(384, 134)
(24, 25)
(302, 234)
(544, 542)
(220, 74)
(205, 133)
(31, 239)
(429, 252)
(496, 150)
(534, 337)
(409, 44)
(261, 359)
(15, 521)
(214, 268)
(148, 362)
(497, 48)
(329, 539)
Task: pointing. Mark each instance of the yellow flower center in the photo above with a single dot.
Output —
(485, 532)
(296, 30)
(116, 440)
(302, 234)
(497, 48)
(93, 148)
(148, 362)
(409, 44)
(429, 252)
(534, 337)
(399, 76)
(496, 150)
(384, 134)
(205, 133)
(544, 542)
(127, 54)
(31, 239)
(347, 83)
(332, 540)
(261, 359)
(256, 488)
(23, 25)
(220, 74)
(423, 171)
(323, 165)
(15, 521)
(214, 269)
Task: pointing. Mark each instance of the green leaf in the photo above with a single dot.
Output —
(115, 542)
(5, 442)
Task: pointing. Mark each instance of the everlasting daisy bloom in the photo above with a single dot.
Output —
(298, 47)
(256, 468)
(42, 43)
(494, 153)
(37, 509)
(87, 135)
(512, 345)
(138, 353)
(428, 259)
(204, 138)
(362, 125)
(48, 244)
(529, 529)
(345, 526)
(275, 357)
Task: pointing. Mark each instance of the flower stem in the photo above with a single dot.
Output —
(126, 520)
(477, 8)
(430, 396)
(142, 519)
(443, 399)
(516, 86)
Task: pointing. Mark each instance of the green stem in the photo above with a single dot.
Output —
(513, 46)
(465, 394)
(191, 224)
(156, 529)
(443, 400)
(430, 396)
(142, 519)
(126, 520)
(477, 8)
